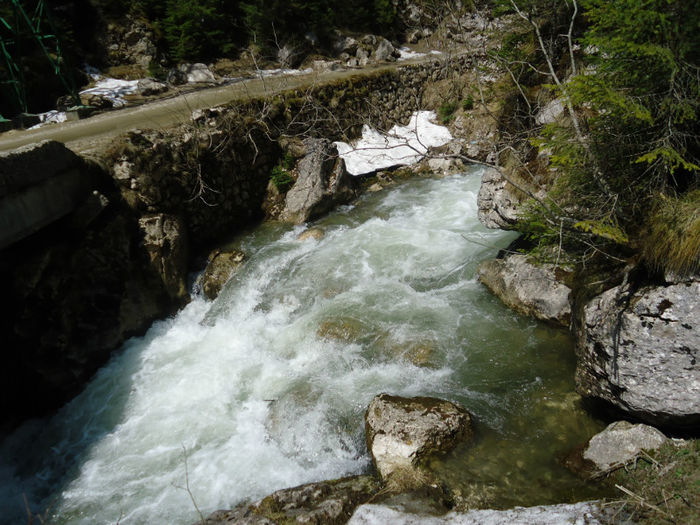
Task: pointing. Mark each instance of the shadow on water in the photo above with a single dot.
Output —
(42, 456)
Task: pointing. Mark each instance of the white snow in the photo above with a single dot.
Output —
(405, 53)
(113, 89)
(279, 72)
(52, 116)
(402, 146)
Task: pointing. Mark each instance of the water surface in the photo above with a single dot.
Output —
(266, 386)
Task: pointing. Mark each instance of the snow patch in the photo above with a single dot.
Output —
(401, 146)
(280, 72)
(405, 53)
(52, 116)
(113, 89)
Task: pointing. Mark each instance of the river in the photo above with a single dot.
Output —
(266, 386)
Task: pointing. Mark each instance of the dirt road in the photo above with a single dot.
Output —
(91, 134)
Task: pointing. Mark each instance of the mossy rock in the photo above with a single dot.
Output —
(222, 264)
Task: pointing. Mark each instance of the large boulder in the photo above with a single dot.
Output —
(528, 288)
(497, 201)
(401, 432)
(385, 51)
(638, 350)
(620, 443)
(327, 502)
(323, 183)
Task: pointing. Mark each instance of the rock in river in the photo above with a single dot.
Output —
(327, 502)
(403, 431)
(322, 184)
(528, 288)
(222, 264)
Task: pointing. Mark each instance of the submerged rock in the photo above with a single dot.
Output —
(621, 442)
(527, 288)
(401, 432)
(322, 184)
(326, 502)
(312, 233)
(222, 264)
(639, 351)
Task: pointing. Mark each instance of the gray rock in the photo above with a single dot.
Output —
(326, 502)
(586, 513)
(322, 184)
(385, 51)
(286, 55)
(148, 86)
(414, 36)
(325, 65)
(222, 264)
(446, 166)
(95, 100)
(401, 432)
(190, 73)
(345, 44)
(497, 202)
(176, 77)
(196, 73)
(550, 113)
(362, 56)
(165, 241)
(620, 442)
(527, 288)
(639, 351)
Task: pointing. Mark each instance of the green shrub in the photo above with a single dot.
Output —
(281, 178)
(446, 111)
(468, 103)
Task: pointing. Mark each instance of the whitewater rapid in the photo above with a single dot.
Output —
(266, 386)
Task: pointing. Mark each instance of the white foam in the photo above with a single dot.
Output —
(249, 386)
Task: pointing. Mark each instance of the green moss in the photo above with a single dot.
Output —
(281, 178)
(446, 111)
(468, 103)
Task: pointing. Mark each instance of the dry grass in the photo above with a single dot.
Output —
(671, 241)
(665, 489)
(406, 479)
